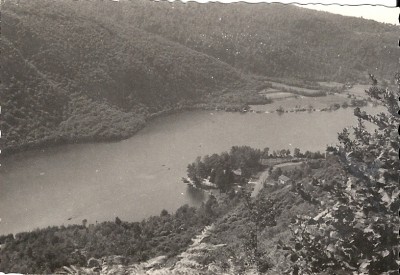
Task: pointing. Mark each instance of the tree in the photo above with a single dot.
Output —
(223, 179)
(296, 153)
(265, 153)
(192, 173)
(164, 213)
(276, 173)
(210, 205)
(358, 233)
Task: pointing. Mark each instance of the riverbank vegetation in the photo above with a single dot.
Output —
(235, 168)
(221, 170)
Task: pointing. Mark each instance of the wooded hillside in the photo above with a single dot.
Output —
(97, 70)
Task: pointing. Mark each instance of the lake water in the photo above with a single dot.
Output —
(140, 176)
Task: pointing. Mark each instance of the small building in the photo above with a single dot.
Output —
(253, 180)
(237, 175)
(237, 172)
(283, 179)
(208, 184)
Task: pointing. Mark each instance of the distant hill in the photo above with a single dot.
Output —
(266, 39)
(97, 70)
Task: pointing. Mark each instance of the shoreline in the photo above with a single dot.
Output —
(235, 108)
(61, 140)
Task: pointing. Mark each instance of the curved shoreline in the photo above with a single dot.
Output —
(62, 140)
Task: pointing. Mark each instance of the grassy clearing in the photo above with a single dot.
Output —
(280, 95)
(297, 90)
(359, 90)
(302, 102)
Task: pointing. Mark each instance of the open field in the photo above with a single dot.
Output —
(296, 90)
(358, 90)
(288, 166)
(292, 98)
(292, 103)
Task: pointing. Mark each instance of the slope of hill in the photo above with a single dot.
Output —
(96, 70)
(72, 78)
(266, 39)
(177, 240)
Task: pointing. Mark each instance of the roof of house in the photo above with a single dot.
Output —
(237, 172)
(283, 178)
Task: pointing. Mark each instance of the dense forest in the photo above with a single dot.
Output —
(88, 79)
(97, 70)
(46, 250)
(274, 40)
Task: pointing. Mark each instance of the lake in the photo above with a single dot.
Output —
(140, 176)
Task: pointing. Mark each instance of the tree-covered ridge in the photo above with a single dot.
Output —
(102, 81)
(266, 39)
(136, 59)
(127, 66)
(32, 106)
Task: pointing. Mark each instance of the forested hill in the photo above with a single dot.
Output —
(70, 76)
(96, 70)
(266, 39)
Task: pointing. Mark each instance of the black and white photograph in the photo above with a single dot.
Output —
(199, 137)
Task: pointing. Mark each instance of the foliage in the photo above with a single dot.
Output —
(264, 39)
(219, 169)
(357, 233)
(45, 250)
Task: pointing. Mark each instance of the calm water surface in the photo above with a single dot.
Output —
(140, 176)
